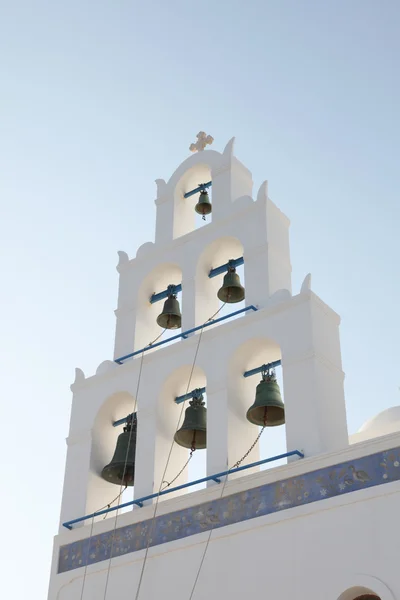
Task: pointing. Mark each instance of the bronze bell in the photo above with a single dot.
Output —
(121, 469)
(232, 290)
(203, 206)
(268, 409)
(171, 317)
(193, 432)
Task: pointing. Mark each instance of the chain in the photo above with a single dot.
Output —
(112, 501)
(180, 472)
(239, 462)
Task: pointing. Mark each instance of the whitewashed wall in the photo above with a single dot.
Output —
(300, 329)
(333, 549)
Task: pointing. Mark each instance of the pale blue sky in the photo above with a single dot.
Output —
(98, 99)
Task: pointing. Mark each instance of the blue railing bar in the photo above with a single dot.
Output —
(233, 314)
(201, 188)
(122, 421)
(189, 395)
(217, 477)
(270, 365)
(161, 295)
(184, 334)
(236, 262)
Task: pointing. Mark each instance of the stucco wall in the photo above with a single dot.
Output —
(314, 550)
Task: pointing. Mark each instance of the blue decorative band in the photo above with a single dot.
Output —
(358, 474)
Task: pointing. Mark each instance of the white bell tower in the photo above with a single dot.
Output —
(155, 547)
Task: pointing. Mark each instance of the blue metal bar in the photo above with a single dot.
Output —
(216, 477)
(235, 262)
(184, 334)
(175, 289)
(271, 365)
(201, 188)
(233, 314)
(181, 399)
(171, 289)
(122, 421)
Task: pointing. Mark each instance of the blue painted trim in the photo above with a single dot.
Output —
(313, 486)
(271, 365)
(180, 399)
(184, 334)
(201, 188)
(171, 289)
(216, 477)
(235, 262)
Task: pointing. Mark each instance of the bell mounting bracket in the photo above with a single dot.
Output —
(128, 419)
(193, 394)
(263, 369)
(231, 264)
(201, 188)
(172, 290)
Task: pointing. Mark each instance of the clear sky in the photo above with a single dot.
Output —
(98, 99)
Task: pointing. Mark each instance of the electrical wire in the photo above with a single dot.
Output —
(126, 461)
(237, 464)
(91, 535)
(123, 477)
(150, 533)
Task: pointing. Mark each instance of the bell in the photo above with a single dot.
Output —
(268, 409)
(121, 469)
(171, 317)
(193, 432)
(203, 206)
(232, 290)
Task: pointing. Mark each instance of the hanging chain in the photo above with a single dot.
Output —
(239, 462)
(180, 472)
(112, 501)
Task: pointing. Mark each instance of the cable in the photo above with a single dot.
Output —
(121, 490)
(237, 464)
(126, 461)
(91, 535)
(123, 477)
(149, 535)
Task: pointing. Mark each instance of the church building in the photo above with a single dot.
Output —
(213, 350)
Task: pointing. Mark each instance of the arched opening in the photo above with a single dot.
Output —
(186, 219)
(359, 593)
(217, 253)
(102, 493)
(171, 417)
(242, 395)
(360, 587)
(147, 328)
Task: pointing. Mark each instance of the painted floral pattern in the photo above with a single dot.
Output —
(361, 473)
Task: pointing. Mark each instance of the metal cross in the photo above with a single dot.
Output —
(203, 140)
